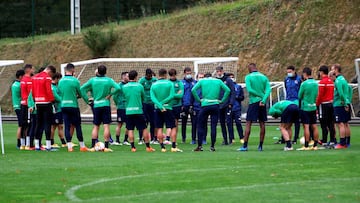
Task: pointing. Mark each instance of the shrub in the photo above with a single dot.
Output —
(98, 41)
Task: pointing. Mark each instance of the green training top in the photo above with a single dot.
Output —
(134, 95)
(179, 93)
(210, 91)
(119, 98)
(69, 88)
(31, 103)
(161, 93)
(258, 87)
(350, 94)
(341, 93)
(278, 108)
(16, 94)
(307, 94)
(100, 87)
(147, 86)
(57, 97)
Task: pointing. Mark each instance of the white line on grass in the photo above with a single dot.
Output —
(70, 194)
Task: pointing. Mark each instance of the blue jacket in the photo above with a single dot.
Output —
(231, 99)
(188, 98)
(239, 97)
(292, 86)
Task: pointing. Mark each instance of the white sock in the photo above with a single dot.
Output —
(82, 144)
(28, 141)
(48, 144)
(69, 144)
(37, 144)
(22, 141)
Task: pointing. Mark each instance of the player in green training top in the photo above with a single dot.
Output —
(120, 102)
(210, 93)
(101, 88)
(258, 87)
(134, 95)
(16, 101)
(69, 88)
(307, 96)
(148, 105)
(289, 112)
(162, 93)
(341, 107)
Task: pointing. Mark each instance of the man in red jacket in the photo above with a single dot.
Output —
(324, 102)
(43, 97)
(25, 89)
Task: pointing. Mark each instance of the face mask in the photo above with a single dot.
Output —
(189, 76)
(290, 75)
(220, 76)
(233, 79)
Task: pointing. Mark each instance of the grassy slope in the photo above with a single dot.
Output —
(226, 175)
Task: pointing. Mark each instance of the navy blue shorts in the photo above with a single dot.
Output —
(256, 113)
(177, 111)
(18, 116)
(136, 120)
(166, 117)
(24, 116)
(58, 118)
(71, 115)
(102, 115)
(121, 115)
(290, 114)
(341, 115)
(308, 117)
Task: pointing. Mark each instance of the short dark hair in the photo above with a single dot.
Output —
(102, 70)
(337, 67)
(324, 69)
(162, 72)
(230, 74)
(186, 69)
(252, 64)
(291, 67)
(19, 73)
(307, 71)
(133, 74)
(51, 68)
(219, 68)
(57, 75)
(69, 67)
(124, 73)
(41, 69)
(207, 75)
(172, 72)
(148, 71)
(27, 66)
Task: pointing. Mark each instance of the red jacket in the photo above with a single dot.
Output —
(326, 91)
(41, 88)
(25, 89)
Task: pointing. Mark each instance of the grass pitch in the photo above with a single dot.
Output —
(223, 176)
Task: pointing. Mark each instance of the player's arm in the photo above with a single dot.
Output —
(180, 93)
(171, 95)
(154, 99)
(84, 89)
(194, 91)
(56, 95)
(116, 88)
(301, 92)
(267, 91)
(226, 92)
(249, 87)
(320, 93)
(48, 89)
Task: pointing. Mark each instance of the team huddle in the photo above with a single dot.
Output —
(48, 101)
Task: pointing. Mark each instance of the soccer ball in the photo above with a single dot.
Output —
(99, 146)
(302, 140)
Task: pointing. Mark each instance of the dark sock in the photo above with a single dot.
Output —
(315, 143)
(306, 144)
(126, 138)
(106, 144)
(93, 142)
(288, 144)
(132, 144)
(162, 145)
(118, 138)
(343, 141)
(18, 143)
(347, 140)
(245, 144)
(168, 138)
(63, 141)
(147, 145)
(52, 141)
(173, 144)
(261, 144)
